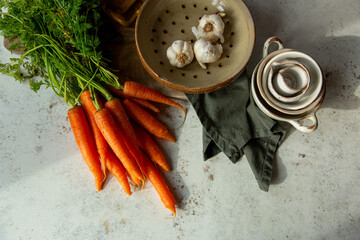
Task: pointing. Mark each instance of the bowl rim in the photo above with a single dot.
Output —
(291, 119)
(274, 113)
(198, 90)
(280, 105)
(278, 95)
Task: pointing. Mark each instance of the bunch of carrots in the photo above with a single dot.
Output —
(118, 136)
(62, 50)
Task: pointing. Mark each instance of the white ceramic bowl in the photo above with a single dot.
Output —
(306, 122)
(311, 94)
(268, 100)
(288, 81)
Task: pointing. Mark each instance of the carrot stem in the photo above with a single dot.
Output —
(95, 100)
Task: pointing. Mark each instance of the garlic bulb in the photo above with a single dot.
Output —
(207, 51)
(211, 27)
(180, 53)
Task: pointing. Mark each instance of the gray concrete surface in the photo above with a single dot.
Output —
(46, 190)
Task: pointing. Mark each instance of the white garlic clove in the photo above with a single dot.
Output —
(207, 52)
(211, 27)
(180, 53)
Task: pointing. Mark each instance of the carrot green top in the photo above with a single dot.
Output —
(61, 43)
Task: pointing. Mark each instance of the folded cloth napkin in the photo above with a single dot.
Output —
(234, 125)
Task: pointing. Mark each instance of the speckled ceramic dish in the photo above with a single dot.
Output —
(161, 22)
(313, 95)
(305, 122)
(309, 97)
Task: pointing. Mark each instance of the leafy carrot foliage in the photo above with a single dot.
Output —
(62, 49)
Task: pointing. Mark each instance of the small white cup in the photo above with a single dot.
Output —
(288, 81)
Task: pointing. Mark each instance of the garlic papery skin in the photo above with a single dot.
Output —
(211, 27)
(207, 52)
(180, 53)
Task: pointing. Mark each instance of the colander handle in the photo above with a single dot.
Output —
(308, 128)
(268, 42)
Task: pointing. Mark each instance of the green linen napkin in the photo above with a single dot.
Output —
(234, 125)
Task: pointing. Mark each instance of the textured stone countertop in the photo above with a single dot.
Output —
(47, 192)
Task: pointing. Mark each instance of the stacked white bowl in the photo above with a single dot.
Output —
(288, 85)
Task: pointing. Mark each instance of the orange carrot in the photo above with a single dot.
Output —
(142, 102)
(85, 142)
(121, 119)
(120, 116)
(134, 179)
(116, 168)
(159, 184)
(137, 90)
(114, 137)
(146, 120)
(150, 147)
(86, 100)
(145, 104)
(90, 111)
